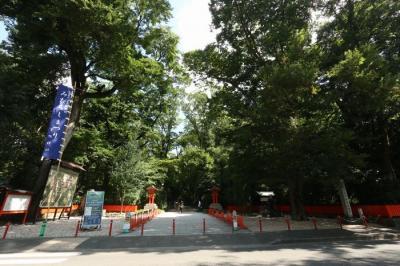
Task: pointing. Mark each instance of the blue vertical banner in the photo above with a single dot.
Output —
(58, 123)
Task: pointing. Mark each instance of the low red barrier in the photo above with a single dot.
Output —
(383, 210)
(140, 218)
(117, 208)
(228, 218)
(240, 222)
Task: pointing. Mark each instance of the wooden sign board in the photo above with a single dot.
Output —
(16, 203)
(60, 188)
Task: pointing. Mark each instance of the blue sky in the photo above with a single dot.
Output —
(191, 21)
(3, 33)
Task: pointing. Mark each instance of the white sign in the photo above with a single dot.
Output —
(88, 211)
(17, 202)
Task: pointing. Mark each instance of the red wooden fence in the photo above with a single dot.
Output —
(388, 210)
(107, 207)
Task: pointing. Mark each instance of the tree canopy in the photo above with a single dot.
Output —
(297, 95)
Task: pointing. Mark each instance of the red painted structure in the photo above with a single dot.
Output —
(117, 208)
(107, 207)
(386, 210)
(215, 194)
(151, 191)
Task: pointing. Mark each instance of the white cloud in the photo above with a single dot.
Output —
(192, 23)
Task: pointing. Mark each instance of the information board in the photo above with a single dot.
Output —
(60, 188)
(16, 202)
(93, 210)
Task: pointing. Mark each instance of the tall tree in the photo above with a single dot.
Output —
(106, 46)
(360, 45)
(266, 71)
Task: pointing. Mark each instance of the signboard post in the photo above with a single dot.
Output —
(93, 210)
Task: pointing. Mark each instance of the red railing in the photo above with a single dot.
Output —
(227, 217)
(117, 208)
(107, 207)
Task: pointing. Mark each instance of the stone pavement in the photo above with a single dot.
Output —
(186, 223)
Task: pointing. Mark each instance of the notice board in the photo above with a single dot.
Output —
(60, 188)
(93, 210)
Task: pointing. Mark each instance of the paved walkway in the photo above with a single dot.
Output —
(186, 223)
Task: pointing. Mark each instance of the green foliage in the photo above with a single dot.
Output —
(131, 174)
(290, 105)
(362, 71)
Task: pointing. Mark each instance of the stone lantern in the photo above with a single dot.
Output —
(215, 198)
(151, 194)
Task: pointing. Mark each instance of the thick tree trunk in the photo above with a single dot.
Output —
(296, 199)
(38, 189)
(344, 199)
(389, 172)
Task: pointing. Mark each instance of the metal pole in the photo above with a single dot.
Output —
(77, 228)
(6, 230)
(314, 221)
(288, 223)
(111, 226)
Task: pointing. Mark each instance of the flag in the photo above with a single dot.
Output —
(58, 123)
